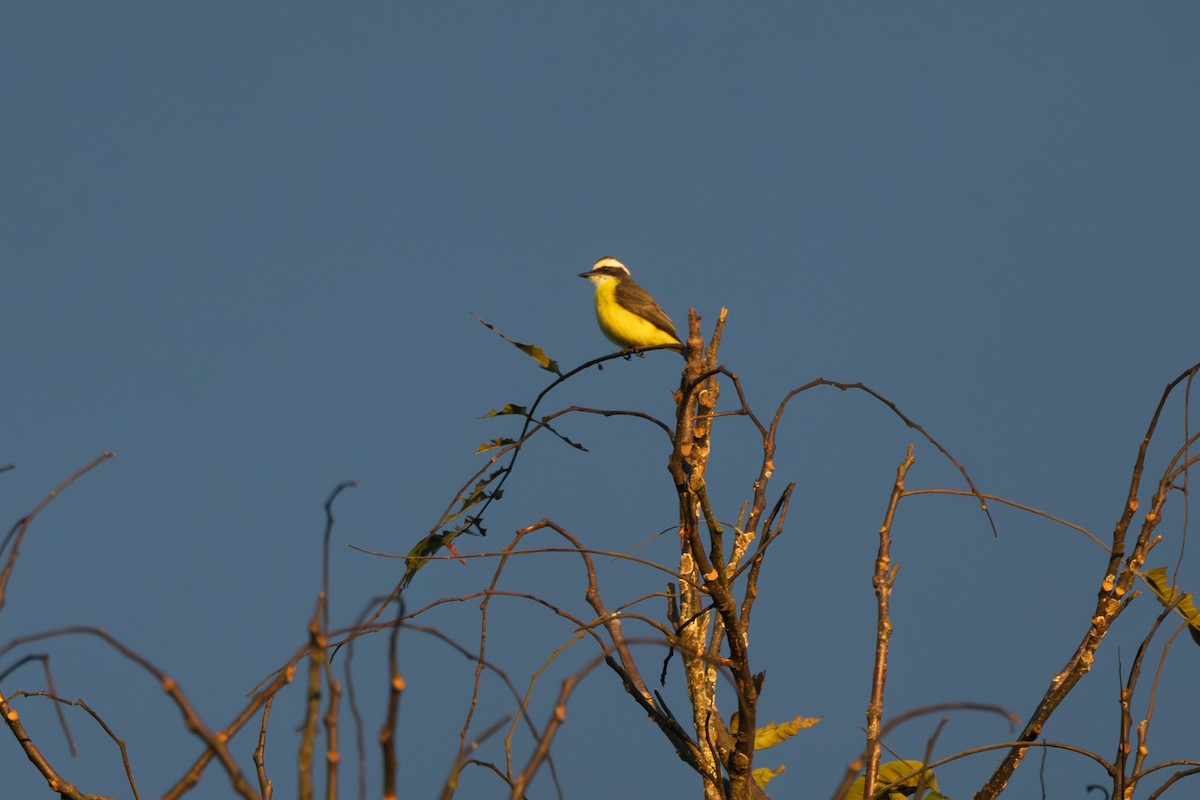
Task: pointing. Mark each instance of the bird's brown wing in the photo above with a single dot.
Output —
(638, 300)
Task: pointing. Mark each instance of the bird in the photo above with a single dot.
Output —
(627, 314)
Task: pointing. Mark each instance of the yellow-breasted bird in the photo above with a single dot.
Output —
(627, 314)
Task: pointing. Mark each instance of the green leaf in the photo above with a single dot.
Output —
(476, 496)
(763, 776)
(432, 544)
(509, 408)
(907, 772)
(1167, 594)
(418, 557)
(772, 734)
(531, 350)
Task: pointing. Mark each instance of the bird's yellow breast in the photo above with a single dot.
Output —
(622, 327)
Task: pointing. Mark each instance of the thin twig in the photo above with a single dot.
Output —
(54, 779)
(44, 658)
(387, 734)
(260, 752)
(316, 658)
(884, 577)
(557, 717)
(119, 742)
(1111, 600)
(21, 527)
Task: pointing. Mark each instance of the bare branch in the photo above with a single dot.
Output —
(54, 780)
(884, 577)
(1110, 601)
(264, 784)
(18, 530)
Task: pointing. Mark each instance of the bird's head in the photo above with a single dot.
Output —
(605, 270)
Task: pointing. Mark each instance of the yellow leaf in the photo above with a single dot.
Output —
(1167, 594)
(772, 734)
(907, 772)
(531, 350)
(493, 444)
(763, 776)
(509, 408)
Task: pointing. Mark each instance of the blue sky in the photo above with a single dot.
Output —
(239, 247)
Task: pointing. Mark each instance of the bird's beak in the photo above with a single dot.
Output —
(585, 274)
